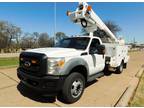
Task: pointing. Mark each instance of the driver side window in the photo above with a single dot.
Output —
(94, 46)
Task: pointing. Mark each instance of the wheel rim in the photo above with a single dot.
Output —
(76, 88)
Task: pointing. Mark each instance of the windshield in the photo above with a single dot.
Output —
(76, 42)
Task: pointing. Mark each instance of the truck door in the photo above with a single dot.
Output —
(97, 61)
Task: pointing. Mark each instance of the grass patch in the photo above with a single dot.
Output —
(9, 62)
(138, 100)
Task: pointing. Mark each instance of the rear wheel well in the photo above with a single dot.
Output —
(80, 69)
(122, 61)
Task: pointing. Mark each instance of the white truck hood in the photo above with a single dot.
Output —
(57, 52)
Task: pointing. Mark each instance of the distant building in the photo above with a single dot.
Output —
(135, 46)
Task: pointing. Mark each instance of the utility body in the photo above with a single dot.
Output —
(64, 69)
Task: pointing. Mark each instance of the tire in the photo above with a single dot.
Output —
(73, 88)
(106, 71)
(125, 65)
(120, 68)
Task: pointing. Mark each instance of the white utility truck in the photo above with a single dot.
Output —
(64, 70)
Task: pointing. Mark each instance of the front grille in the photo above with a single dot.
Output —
(37, 69)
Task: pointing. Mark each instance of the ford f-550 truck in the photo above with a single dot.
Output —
(65, 68)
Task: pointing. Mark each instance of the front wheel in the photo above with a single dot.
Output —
(73, 88)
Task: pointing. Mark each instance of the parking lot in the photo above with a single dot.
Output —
(104, 91)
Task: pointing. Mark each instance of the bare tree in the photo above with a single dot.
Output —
(60, 36)
(3, 36)
(114, 28)
(27, 41)
(9, 32)
(3, 41)
(44, 40)
(13, 32)
(36, 36)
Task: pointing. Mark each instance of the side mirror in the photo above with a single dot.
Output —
(101, 49)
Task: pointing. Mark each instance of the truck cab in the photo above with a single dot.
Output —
(64, 69)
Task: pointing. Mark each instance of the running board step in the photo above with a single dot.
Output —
(94, 76)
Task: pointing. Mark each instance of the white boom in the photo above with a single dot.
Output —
(89, 20)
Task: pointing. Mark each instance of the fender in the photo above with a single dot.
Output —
(73, 63)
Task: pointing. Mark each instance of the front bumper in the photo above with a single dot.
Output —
(46, 84)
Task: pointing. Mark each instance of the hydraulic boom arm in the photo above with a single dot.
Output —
(89, 20)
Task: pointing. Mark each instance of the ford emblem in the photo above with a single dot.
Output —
(27, 64)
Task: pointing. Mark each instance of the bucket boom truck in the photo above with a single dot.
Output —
(64, 70)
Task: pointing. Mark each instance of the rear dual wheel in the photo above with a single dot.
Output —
(119, 69)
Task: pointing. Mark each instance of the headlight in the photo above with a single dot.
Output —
(54, 65)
